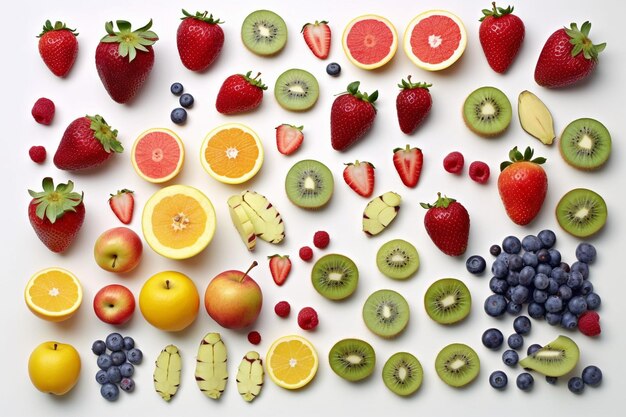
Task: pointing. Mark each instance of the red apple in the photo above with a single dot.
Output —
(118, 250)
(114, 304)
(233, 299)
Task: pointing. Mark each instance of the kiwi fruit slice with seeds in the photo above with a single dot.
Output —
(309, 184)
(296, 90)
(448, 301)
(581, 212)
(487, 111)
(386, 313)
(557, 358)
(403, 374)
(335, 276)
(352, 359)
(585, 144)
(457, 365)
(264, 32)
(397, 259)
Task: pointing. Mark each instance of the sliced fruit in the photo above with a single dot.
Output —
(352, 359)
(370, 41)
(448, 301)
(250, 376)
(158, 155)
(380, 212)
(535, 117)
(242, 222)
(403, 373)
(296, 90)
(264, 32)
(309, 184)
(211, 371)
(280, 266)
(291, 362)
(457, 365)
(487, 111)
(53, 294)
(397, 259)
(557, 358)
(317, 37)
(585, 144)
(289, 138)
(581, 212)
(266, 220)
(167, 372)
(335, 276)
(386, 313)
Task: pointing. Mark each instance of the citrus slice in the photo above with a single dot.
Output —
(435, 39)
(178, 221)
(158, 155)
(291, 362)
(370, 41)
(53, 294)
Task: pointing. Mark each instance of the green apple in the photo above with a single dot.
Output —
(118, 250)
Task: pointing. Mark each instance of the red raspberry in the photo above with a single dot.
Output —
(453, 162)
(479, 172)
(37, 154)
(306, 253)
(321, 239)
(43, 111)
(307, 318)
(282, 309)
(589, 323)
(254, 337)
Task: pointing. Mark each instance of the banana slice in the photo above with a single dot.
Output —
(242, 222)
(211, 370)
(167, 372)
(267, 222)
(380, 212)
(535, 117)
(250, 376)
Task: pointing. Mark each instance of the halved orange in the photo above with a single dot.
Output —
(370, 41)
(178, 221)
(291, 362)
(158, 155)
(232, 153)
(53, 294)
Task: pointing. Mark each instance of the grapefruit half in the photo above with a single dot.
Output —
(158, 155)
(370, 41)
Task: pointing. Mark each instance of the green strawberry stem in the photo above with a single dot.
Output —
(254, 81)
(409, 85)
(582, 43)
(353, 89)
(53, 203)
(317, 23)
(406, 149)
(49, 27)
(202, 17)
(129, 41)
(496, 12)
(103, 132)
(516, 156)
(442, 202)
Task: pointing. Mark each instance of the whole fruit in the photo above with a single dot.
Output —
(199, 40)
(240, 93)
(58, 47)
(118, 250)
(351, 116)
(54, 367)
(447, 223)
(114, 304)
(413, 104)
(501, 35)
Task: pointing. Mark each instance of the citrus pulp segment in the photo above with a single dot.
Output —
(370, 41)
(291, 362)
(158, 155)
(53, 294)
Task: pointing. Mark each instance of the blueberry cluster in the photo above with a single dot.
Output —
(179, 114)
(591, 375)
(117, 356)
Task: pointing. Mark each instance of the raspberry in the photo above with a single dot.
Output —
(254, 337)
(282, 309)
(306, 253)
(321, 239)
(479, 172)
(589, 323)
(43, 111)
(37, 154)
(453, 162)
(307, 318)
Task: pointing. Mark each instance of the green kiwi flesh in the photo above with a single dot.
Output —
(309, 184)
(352, 359)
(403, 373)
(581, 212)
(397, 259)
(585, 144)
(386, 313)
(264, 32)
(557, 358)
(448, 301)
(296, 90)
(457, 365)
(335, 276)
(487, 111)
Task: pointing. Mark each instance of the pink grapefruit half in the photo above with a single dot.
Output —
(158, 155)
(370, 41)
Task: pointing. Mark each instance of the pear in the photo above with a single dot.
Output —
(535, 117)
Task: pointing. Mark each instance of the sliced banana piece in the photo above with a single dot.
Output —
(535, 117)
(250, 376)
(211, 370)
(380, 212)
(167, 372)
(267, 222)
(242, 222)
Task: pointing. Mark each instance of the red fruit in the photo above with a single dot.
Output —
(123, 203)
(317, 37)
(124, 59)
(408, 163)
(58, 47)
(254, 337)
(199, 40)
(479, 172)
(307, 318)
(321, 239)
(351, 116)
(282, 309)
(43, 111)
(453, 162)
(56, 214)
(360, 177)
(447, 223)
(37, 154)
(240, 93)
(87, 142)
(279, 268)
(501, 35)
(567, 57)
(412, 104)
(523, 185)
(288, 138)
(589, 323)
(306, 253)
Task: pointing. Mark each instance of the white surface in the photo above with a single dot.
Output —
(82, 93)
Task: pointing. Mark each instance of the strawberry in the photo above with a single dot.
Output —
(56, 214)
(123, 203)
(124, 59)
(86, 143)
(360, 177)
(501, 34)
(58, 47)
(317, 37)
(280, 265)
(567, 57)
(288, 138)
(240, 93)
(447, 223)
(412, 104)
(522, 185)
(351, 116)
(408, 163)
(199, 40)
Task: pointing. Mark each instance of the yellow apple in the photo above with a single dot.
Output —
(169, 301)
(54, 367)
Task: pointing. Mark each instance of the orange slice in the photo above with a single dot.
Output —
(370, 41)
(291, 362)
(53, 294)
(158, 155)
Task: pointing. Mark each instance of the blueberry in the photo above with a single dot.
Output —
(499, 269)
(577, 305)
(531, 243)
(532, 349)
(186, 100)
(127, 369)
(515, 341)
(104, 361)
(101, 377)
(569, 320)
(114, 374)
(176, 89)
(530, 259)
(575, 280)
(504, 257)
(551, 380)
(592, 375)
(555, 258)
(553, 286)
(179, 115)
(540, 296)
(134, 356)
(118, 357)
(498, 379)
(475, 264)
(586, 287)
(554, 304)
(564, 266)
(593, 301)
(586, 252)
(127, 384)
(333, 69)
(511, 245)
(99, 347)
(565, 293)
(110, 391)
(512, 278)
(114, 342)
(509, 292)
(576, 385)
(544, 269)
(522, 325)
(554, 319)
(492, 338)
(536, 311)
(495, 305)
(526, 275)
(516, 263)
(541, 281)
(547, 238)
(495, 250)
(513, 308)
(510, 357)
(525, 381)
(559, 274)
(129, 343)
(520, 294)
(543, 256)
(498, 286)
(581, 267)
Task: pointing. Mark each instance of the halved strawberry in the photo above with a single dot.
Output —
(317, 38)
(123, 203)
(408, 163)
(288, 138)
(280, 265)
(360, 177)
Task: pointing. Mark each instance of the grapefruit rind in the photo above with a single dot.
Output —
(392, 50)
(172, 174)
(54, 316)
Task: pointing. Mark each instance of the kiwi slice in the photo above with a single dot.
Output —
(352, 359)
(448, 301)
(264, 32)
(309, 184)
(585, 144)
(581, 212)
(403, 373)
(386, 313)
(335, 276)
(397, 259)
(487, 111)
(296, 90)
(557, 358)
(457, 365)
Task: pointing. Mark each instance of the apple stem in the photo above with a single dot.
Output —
(255, 263)
(167, 284)
(55, 346)
(114, 261)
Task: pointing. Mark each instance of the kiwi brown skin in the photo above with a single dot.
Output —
(601, 142)
(505, 111)
(352, 359)
(457, 365)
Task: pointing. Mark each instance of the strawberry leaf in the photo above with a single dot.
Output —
(53, 203)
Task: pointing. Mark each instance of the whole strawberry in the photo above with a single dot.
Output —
(199, 40)
(351, 116)
(501, 34)
(58, 47)
(56, 214)
(240, 93)
(447, 223)
(567, 57)
(124, 59)
(412, 104)
(86, 143)
(523, 185)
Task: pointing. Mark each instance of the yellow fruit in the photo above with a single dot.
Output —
(54, 367)
(158, 155)
(53, 294)
(291, 362)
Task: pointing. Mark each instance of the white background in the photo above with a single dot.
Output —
(27, 79)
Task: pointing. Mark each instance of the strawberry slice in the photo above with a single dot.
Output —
(280, 265)
(408, 163)
(288, 138)
(317, 38)
(123, 204)
(360, 177)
